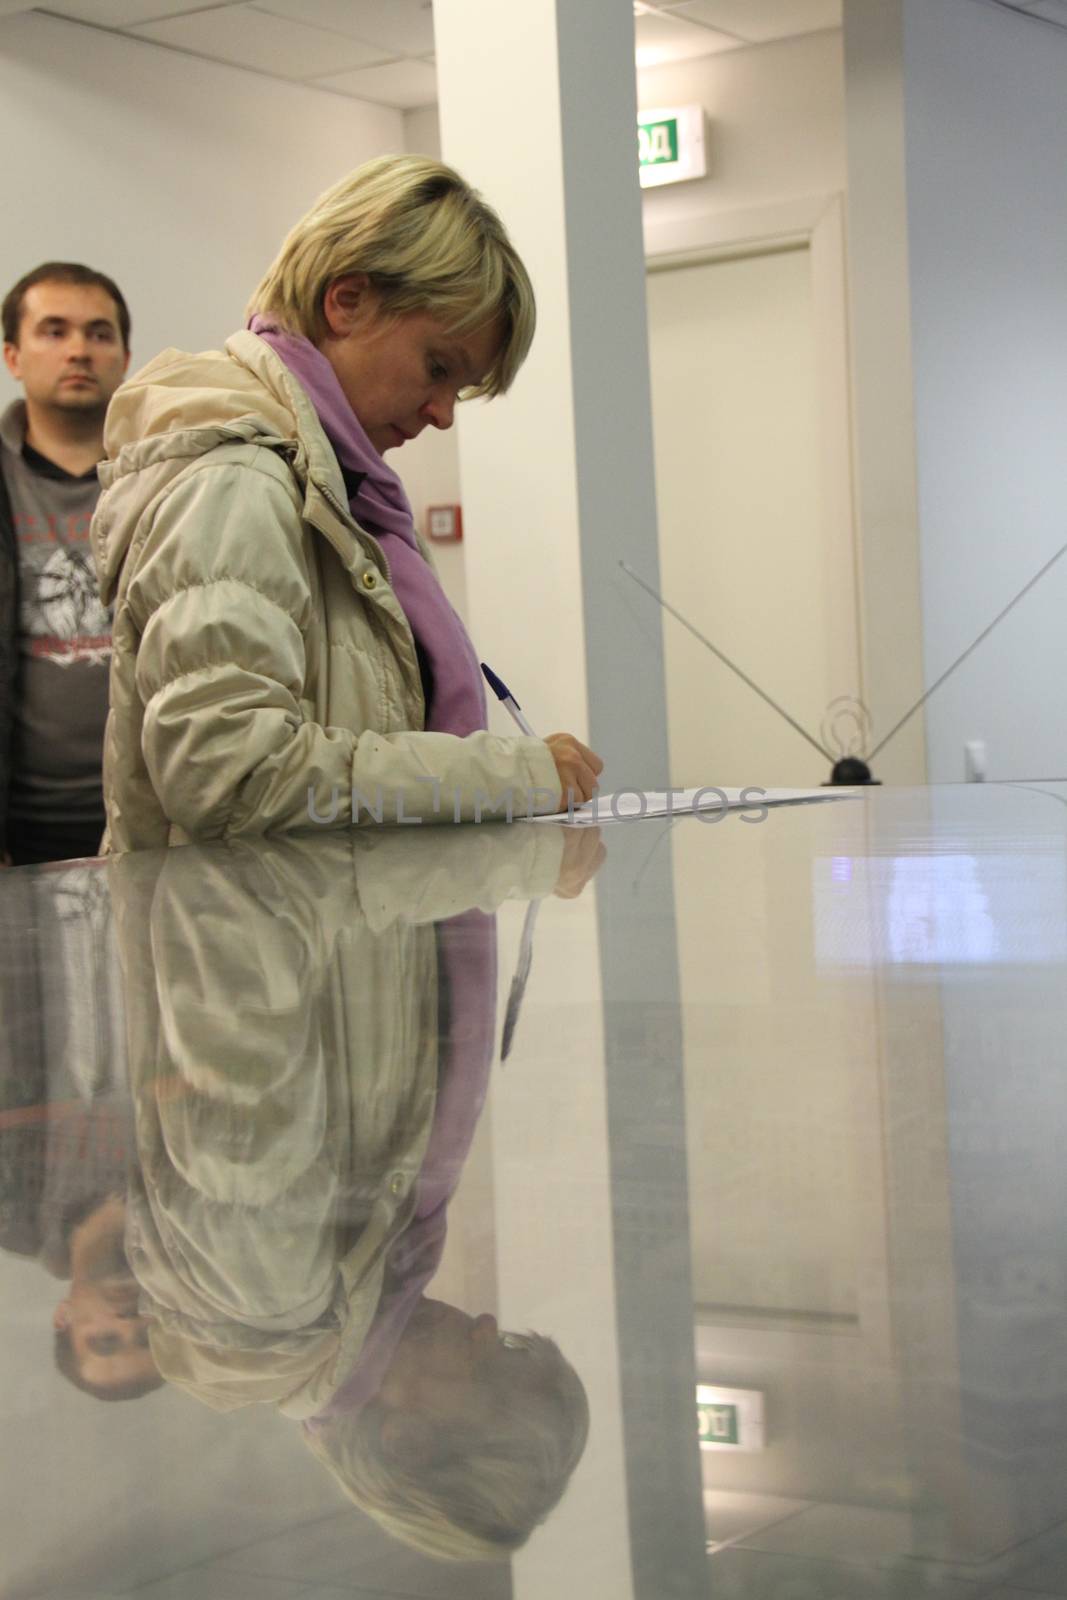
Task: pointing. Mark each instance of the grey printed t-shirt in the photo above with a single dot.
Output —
(64, 637)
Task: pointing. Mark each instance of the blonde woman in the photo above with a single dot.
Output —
(283, 653)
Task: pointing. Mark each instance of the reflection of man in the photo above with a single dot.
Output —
(65, 1119)
(66, 340)
(101, 1340)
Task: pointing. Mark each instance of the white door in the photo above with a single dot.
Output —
(748, 550)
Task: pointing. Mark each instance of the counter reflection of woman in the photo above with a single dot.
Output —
(280, 638)
(295, 1173)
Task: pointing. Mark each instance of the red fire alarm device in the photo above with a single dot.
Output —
(445, 522)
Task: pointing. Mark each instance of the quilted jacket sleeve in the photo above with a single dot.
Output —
(219, 595)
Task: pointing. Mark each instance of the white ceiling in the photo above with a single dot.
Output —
(378, 50)
(671, 30)
(382, 50)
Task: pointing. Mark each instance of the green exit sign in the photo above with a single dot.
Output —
(657, 141)
(670, 145)
(730, 1419)
(718, 1424)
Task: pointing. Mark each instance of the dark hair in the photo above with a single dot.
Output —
(74, 1213)
(67, 1364)
(62, 272)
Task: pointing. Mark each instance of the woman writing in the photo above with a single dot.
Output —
(282, 650)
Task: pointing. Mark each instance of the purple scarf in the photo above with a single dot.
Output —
(455, 693)
(466, 955)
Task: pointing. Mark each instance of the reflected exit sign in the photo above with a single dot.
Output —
(730, 1419)
(670, 145)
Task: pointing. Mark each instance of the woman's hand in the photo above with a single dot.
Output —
(577, 766)
(583, 857)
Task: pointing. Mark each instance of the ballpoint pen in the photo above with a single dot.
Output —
(522, 971)
(518, 982)
(507, 699)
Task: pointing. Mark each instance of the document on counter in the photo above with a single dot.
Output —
(634, 805)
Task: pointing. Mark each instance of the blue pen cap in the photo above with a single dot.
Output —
(498, 686)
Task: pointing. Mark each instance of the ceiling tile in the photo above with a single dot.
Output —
(758, 21)
(250, 38)
(403, 84)
(122, 13)
(399, 27)
(661, 38)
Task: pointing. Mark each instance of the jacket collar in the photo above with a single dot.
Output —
(316, 465)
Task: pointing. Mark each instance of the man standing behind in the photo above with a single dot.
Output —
(66, 340)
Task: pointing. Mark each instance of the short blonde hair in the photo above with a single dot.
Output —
(486, 1486)
(426, 240)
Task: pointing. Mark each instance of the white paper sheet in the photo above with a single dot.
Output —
(631, 805)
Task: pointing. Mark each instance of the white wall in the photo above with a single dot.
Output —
(985, 97)
(429, 466)
(957, 122)
(178, 177)
(776, 129)
(775, 124)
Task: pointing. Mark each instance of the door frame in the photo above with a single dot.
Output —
(815, 223)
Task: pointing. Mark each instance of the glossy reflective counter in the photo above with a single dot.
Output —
(744, 1273)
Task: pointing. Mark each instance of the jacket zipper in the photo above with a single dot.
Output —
(331, 499)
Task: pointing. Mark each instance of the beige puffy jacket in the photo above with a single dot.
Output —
(282, 1013)
(262, 666)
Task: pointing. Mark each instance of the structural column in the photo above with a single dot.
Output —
(538, 109)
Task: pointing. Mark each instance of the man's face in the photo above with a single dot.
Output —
(109, 1339)
(69, 354)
